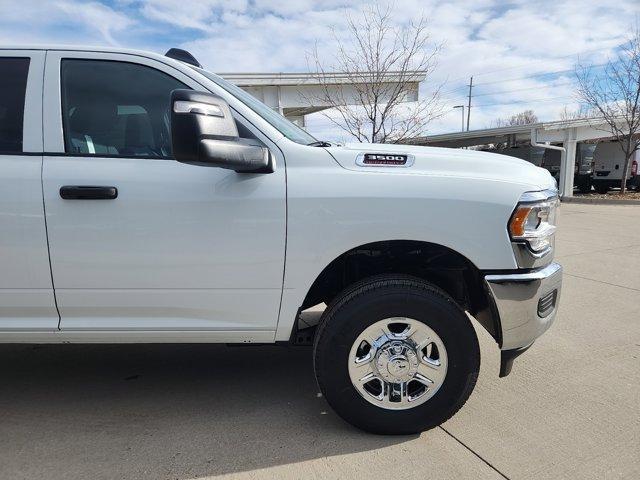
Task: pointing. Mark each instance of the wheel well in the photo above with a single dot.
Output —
(434, 263)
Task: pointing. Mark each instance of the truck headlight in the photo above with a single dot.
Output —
(534, 221)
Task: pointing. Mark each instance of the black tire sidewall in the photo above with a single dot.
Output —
(350, 318)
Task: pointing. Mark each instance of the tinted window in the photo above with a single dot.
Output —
(116, 108)
(13, 85)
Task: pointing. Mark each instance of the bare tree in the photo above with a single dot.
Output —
(380, 61)
(523, 118)
(615, 96)
(582, 112)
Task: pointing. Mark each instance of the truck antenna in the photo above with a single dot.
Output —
(183, 56)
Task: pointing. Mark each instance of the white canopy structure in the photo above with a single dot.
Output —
(561, 135)
(295, 95)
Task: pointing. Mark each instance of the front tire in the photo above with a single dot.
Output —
(411, 344)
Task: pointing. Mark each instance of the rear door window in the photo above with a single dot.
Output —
(13, 86)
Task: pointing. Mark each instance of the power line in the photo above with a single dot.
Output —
(530, 76)
(464, 87)
(455, 89)
(538, 75)
(523, 89)
(536, 100)
(533, 75)
(499, 92)
(536, 62)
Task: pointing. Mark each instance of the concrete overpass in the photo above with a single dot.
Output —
(560, 135)
(295, 95)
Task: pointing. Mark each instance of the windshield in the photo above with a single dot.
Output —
(284, 126)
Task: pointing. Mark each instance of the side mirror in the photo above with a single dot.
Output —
(203, 132)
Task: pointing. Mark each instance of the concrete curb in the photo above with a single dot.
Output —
(599, 201)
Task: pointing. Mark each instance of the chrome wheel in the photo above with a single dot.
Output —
(397, 363)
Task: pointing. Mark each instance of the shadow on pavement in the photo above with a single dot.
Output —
(163, 411)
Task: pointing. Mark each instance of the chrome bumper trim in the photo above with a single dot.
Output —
(525, 258)
(516, 297)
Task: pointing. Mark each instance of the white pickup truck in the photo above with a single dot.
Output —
(144, 199)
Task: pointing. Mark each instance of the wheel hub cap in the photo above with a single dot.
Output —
(398, 363)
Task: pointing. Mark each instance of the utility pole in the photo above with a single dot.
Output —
(469, 106)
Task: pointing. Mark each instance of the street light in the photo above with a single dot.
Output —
(462, 107)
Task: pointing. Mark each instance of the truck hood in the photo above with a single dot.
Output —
(445, 162)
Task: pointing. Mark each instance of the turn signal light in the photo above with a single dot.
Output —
(518, 221)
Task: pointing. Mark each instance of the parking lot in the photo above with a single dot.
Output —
(570, 408)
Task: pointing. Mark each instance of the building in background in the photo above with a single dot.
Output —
(561, 146)
(295, 95)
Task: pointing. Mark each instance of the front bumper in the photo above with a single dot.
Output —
(526, 304)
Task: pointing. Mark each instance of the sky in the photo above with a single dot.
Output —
(522, 54)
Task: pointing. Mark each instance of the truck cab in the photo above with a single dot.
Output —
(148, 200)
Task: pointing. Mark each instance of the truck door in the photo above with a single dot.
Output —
(139, 241)
(26, 293)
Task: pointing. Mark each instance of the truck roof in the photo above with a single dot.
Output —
(79, 48)
(89, 48)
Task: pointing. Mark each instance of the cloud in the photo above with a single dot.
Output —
(492, 40)
(487, 39)
(95, 15)
(63, 21)
(198, 14)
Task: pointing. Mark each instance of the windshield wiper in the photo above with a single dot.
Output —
(319, 143)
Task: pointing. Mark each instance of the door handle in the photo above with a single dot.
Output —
(88, 192)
